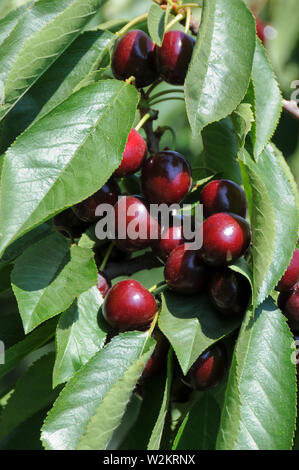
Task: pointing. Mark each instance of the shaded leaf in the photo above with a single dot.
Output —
(49, 276)
(157, 22)
(33, 392)
(192, 325)
(199, 428)
(156, 436)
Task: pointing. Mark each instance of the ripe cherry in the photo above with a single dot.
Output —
(226, 237)
(103, 284)
(210, 368)
(229, 292)
(174, 56)
(128, 306)
(133, 157)
(291, 276)
(184, 272)
(223, 196)
(288, 302)
(166, 178)
(69, 225)
(135, 228)
(171, 237)
(108, 194)
(134, 55)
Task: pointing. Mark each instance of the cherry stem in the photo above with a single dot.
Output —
(107, 256)
(175, 20)
(168, 99)
(141, 123)
(188, 19)
(157, 286)
(166, 92)
(138, 19)
(152, 87)
(153, 324)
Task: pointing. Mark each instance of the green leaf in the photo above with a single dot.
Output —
(157, 22)
(33, 392)
(267, 103)
(242, 267)
(80, 334)
(127, 423)
(109, 413)
(199, 428)
(242, 119)
(156, 436)
(9, 22)
(221, 64)
(83, 394)
(275, 231)
(259, 411)
(191, 325)
(30, 343)
(78, 66)
(59, 149)
(38, 39)
(221, 149)
(49, 276)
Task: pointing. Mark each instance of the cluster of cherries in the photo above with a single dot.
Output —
(166, 178)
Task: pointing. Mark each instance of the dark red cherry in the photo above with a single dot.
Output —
(158, 359)
(128, 306)
(288, 302)
(134, 155)
(134, 55)
(223, 196)
(108, 194)
(69, 225)
(174, 57)
(170, 239)
(135, 228)
(291, 276)
(210, 368)
(166, 178)
(184, 272)
(226, 237)
(229, 292)
(103, 284)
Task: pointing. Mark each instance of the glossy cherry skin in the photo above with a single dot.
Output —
(184, 272)
(166, 178)
(133, 157)
(108, 194)
(291, 276)
(288, 302)
(103, 284)
(226, 237)
(134, 55)
(223, 196)
(170, 239)
(209, 369)
(174, 56)
(132, 211)
(229, 292)
(69, 225)
(128, 306)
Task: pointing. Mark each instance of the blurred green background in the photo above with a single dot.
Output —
(282, 20)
